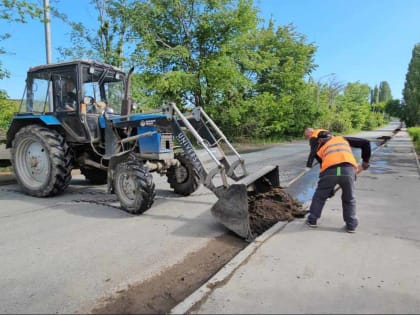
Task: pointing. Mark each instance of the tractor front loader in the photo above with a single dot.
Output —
(89, 125)
(229, 179)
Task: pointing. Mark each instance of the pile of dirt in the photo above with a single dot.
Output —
(266, 209)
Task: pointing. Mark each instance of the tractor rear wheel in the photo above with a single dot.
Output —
(184, 179)
(42, 161)
(94, 176)
(134, 187)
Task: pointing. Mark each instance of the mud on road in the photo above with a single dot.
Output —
(161, 293)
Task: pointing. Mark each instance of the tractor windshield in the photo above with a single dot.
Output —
(105, 87)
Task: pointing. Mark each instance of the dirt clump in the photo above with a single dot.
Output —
(266, 209)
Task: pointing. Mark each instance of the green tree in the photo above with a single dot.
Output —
(288, 60)
(15, 11)
(211, 54)
(411, 91)
(183, 50)
(353, 106)
(395, 108)
(104, 42)
(384, 92)
(374, 96)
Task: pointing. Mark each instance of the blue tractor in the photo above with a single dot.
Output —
(78, 114)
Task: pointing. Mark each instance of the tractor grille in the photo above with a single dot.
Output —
(166, 141)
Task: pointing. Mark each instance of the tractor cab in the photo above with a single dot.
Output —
(74, 91)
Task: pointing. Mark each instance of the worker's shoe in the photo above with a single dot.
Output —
(350, 229)
(311, 223)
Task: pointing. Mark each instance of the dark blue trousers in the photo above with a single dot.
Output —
(343, 175)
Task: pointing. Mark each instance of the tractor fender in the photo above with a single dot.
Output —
(19, 122)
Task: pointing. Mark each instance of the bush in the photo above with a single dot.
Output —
(415, 135)
(7, 109)
(373, 120)
(339, 124)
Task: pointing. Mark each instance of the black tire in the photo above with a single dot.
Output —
(184, 179)
(134, 187)
(94, 176)
(42, 161)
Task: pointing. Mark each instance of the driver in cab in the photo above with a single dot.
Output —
(69, 101)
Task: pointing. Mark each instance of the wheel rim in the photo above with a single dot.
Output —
(32, 163)
(181, 174)
(127, 186)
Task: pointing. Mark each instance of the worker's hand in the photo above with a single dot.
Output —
(307, 169)
(365, 165)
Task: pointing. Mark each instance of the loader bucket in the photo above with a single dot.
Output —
(232, 207)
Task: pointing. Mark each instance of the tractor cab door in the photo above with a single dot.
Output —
(66, 99)
(103, 91)
(94, 108)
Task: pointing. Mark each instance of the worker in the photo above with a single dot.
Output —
(70, 98)
(338, 166)
(312, 135)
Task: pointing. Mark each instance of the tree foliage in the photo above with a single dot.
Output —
(7, 109)
(384, 92)
(212, 54)
(106, 41)
(18, 11)
(252, 77)
(411, 91)
(395, 108)
(15, 11)
(374, 95)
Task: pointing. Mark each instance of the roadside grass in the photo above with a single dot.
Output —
(415, 135)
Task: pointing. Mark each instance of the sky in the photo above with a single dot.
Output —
(366, 41)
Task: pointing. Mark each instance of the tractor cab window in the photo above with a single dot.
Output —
(65, 93)
(103, 90)
(37, 96)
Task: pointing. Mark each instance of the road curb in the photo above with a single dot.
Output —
(220, 277)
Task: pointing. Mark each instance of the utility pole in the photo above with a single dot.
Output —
(48, 48)
(47, 29)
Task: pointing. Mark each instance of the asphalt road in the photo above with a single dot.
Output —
(63, 254)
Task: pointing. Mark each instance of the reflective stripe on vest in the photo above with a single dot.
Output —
(316, 132)
(336, 151)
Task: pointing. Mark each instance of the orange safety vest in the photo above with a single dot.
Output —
(336, 151)
(316, 132)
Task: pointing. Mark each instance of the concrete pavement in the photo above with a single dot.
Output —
(295, 269)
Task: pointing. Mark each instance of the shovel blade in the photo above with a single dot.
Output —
(232, 209)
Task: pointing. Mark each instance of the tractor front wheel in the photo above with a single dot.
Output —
(184, 179)
(41, 160)
(134, 187)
